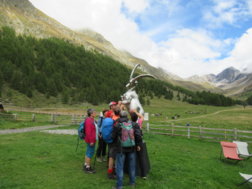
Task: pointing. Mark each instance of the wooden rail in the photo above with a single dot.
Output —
(49, 117)
(201, 132)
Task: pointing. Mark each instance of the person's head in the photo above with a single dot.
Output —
(133, 116)
(117, 111)
(123, 114)
(91, 113)
(112, 105)
(104, 112)
(109, 114)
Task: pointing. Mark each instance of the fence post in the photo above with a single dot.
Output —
(200, 131)
(15, 117)
(225, 134)
(53, 120)
(235, 133)
(146, 118)
(73, 118)
(188, 132)
(172, 129)
(33, 117)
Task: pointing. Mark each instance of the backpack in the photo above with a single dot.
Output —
(81, 133)
(81, 130)
(107, 128)
(127, 134)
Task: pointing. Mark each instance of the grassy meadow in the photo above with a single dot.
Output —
(38, 160)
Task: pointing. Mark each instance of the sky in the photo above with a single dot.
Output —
(184, 37)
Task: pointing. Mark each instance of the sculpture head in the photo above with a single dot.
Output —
(128, 96)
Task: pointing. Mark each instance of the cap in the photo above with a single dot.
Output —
(112, 103)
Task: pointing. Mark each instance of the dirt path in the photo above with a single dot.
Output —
(205, 115)
(29, 129)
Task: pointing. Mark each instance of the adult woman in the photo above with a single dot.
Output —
(90, 139)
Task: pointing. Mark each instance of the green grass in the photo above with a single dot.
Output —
(196, 115)
(234, 118)
(6, 124)
(200, 115)
(39, 160)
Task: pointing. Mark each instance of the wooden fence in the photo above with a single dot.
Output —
(216, 134)
(49, 117)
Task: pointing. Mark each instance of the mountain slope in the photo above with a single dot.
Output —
(231, 81)
(26, 19)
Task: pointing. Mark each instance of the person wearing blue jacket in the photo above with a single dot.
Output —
(107, 128)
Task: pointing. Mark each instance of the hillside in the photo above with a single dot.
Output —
(59, 69)
(55, 68)
(26, 19)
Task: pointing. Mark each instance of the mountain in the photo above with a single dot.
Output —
(22, 16)
(230, 81)
(228, 75)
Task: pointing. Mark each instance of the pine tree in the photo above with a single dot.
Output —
(65, 97)
(249, 100)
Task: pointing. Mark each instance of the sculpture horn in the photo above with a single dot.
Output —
(131, 75)
(143, 75)
(133, 81)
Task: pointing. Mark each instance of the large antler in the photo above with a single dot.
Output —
(133, 81)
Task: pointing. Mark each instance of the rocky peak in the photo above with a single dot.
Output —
(228, 75)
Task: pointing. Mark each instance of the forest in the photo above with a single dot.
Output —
(58, 68)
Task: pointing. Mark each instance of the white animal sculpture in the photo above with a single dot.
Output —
(130, 97)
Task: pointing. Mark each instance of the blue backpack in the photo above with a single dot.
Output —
(81, 130)
(81, 133)
(107, 128)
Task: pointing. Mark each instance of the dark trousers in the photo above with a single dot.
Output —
(101, 150)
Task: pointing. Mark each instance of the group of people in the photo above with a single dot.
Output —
(120, 130)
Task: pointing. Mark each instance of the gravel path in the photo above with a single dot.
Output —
(62, 131)
(29, 129)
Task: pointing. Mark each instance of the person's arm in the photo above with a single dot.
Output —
(138, 136)
(100, 121)
(140, 116)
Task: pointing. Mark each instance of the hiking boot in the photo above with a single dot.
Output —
(99, 159)
(111, 176)
(89, 170)
(84, 167)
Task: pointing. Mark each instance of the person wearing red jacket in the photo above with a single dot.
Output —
(90, 139)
